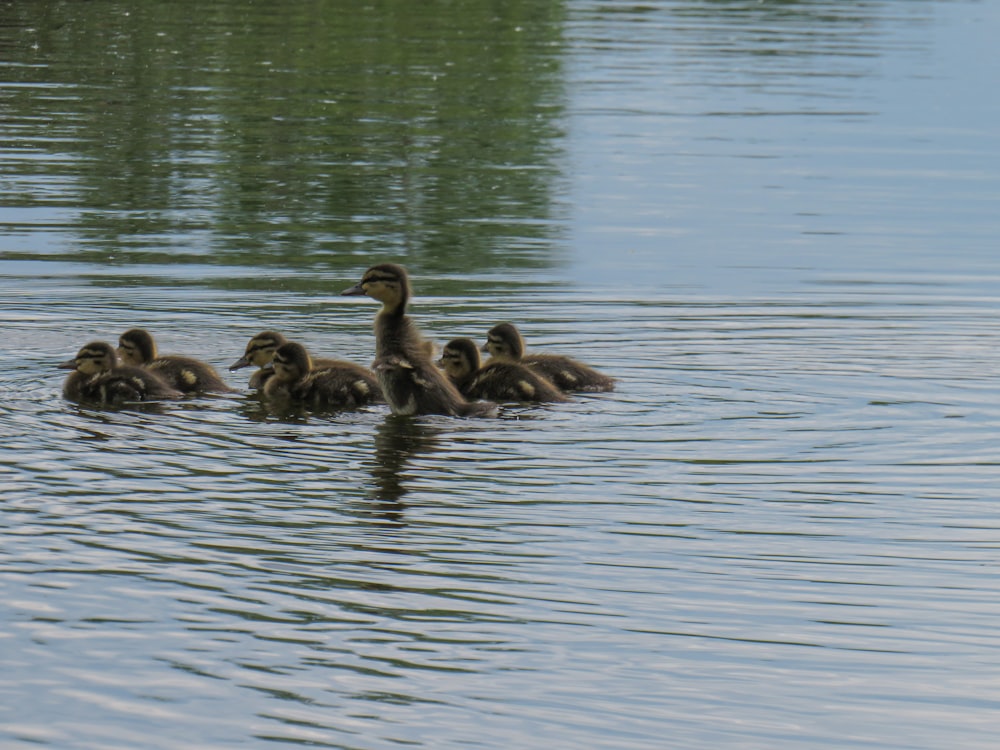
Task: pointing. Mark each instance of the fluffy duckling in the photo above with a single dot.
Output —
(296, 378)
(410, 381)
(495, 381)
(137, 348)
(98, 376)
(260, 351)
(504, 343)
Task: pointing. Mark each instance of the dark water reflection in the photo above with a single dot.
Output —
(283, 135)
(773, 222)
(397, 441)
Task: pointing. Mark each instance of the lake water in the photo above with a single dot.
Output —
(774, 222)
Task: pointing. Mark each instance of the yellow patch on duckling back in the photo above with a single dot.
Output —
(527, 389)
(189, 377)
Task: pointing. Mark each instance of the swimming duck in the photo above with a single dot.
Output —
(410, 381)
(260, 351)
(137, 348)
(505, 344)
(98, 376)
(495, 381)
(295, 378)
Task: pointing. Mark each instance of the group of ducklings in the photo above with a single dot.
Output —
(403, 374)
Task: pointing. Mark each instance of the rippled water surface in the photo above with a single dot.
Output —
(774, 223)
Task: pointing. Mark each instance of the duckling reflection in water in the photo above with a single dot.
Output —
(260, 352)
(296, 379)
(398, 439)
(505, 344)
(410, 381)
(137, 348)
(98, 376)
(496, 380)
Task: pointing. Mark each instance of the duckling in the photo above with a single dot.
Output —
(137, 348)
(505, 344)
(410, 381)
(98, 376)
(296, 378)
(496, 381)
(260, 351)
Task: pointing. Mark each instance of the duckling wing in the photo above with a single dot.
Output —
(338, 387)
(116, 389)
(392, 362)
(568, 374)
(188, 375)
(511, 382)
(126, 384)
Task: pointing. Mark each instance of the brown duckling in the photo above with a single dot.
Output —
(137, 348)
(98, 376)
(260, 352)
(504, 343)
(496, 380)
(297, 378)
(410, 381)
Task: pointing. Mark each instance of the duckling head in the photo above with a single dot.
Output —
(136, 347)
(459, 358)
(93, 359)
(291, 362)
(260, 350)
(387, 282)
(504, 342)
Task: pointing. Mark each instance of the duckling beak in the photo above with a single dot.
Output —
(69, 364)
(241, 362)
(485, 348)
(354, 291)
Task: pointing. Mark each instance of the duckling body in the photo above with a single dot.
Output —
(188, 375)
(260, 352)
(496, 380)
(296, 379)
(98, 376)
(505, 344)
(410, 381)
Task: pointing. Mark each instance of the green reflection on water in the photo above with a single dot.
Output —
(294, 133)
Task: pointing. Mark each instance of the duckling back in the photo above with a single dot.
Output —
(126, 384)
(186, 374)
(509, 381)
(506, 344)
(567, 373)
(497, 380)
(341, 385)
